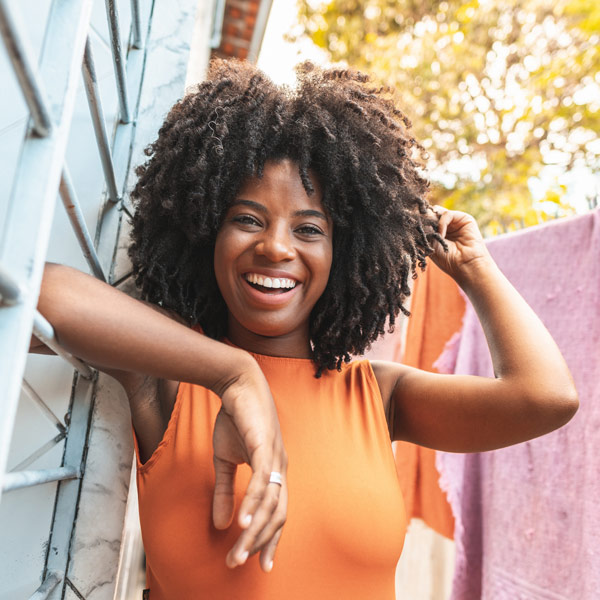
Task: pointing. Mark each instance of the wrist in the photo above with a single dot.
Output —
(235, 366)
(473, 273)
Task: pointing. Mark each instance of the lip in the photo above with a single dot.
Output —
(272, 300)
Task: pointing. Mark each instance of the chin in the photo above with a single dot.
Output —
(268, 325)
(267, 330)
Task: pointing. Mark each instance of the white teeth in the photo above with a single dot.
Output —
(271, 282)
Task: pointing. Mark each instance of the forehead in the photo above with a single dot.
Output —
(281, 186)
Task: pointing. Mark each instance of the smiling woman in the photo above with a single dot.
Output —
(274, 236)
(350, 147)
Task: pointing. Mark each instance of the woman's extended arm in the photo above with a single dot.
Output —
(107, 328)
(532, 393)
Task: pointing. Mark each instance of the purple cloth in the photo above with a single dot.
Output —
(528, 516)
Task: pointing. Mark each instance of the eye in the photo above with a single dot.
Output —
(246, 220)
(309, 230)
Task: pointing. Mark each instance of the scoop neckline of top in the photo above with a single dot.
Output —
(307, 361)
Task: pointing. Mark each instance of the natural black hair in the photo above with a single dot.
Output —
(337, 124)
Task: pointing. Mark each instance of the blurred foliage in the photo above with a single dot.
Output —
(497, 91)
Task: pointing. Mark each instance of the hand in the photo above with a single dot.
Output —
(464, 241)
(247, 431)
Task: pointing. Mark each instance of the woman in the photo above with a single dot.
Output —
(274, 236)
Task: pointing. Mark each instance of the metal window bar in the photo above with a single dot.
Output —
(22, 479)
(91, 90)
(136, 19)
(35, 96)
(43, 449)
(217, 25)
(118, 62)
(51, 109)
(10, 290)
(31, 204)
(31, 393)
(71, 204)
(50, 582)
(20, 55)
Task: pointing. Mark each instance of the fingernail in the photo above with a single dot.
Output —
(243, 557)
(270, 566)
(247, 520)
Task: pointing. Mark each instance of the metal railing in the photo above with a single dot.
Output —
(49, 88)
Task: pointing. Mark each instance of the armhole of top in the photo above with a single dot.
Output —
(380, 408)
(167, 436)
(169, 431)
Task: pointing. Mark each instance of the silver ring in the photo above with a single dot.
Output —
(275, 477)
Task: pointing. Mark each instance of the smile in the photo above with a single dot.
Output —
(269, 292)
(269, 284)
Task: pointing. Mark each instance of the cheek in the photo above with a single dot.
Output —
(324, 269)
(221, 261)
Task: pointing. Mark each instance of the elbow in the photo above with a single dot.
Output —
(551, 408)
(567, 398)
(569, 404)
(562, 406)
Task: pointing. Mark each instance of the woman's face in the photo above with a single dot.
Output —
(273, 256)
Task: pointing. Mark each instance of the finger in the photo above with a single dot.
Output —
(263, 518)
(267, 555)
(223, 498)
(444, 218)
(275, 523)
(261, 462)
(255, 493)
(246, 543)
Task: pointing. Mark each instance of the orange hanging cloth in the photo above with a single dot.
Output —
(437, 310)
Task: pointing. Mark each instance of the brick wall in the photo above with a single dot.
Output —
(238, 26)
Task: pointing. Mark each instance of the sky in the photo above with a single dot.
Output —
(277, 56)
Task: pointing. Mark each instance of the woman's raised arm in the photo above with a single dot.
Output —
(533, 392)
(115, 332)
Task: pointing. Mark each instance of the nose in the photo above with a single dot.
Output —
(276, 245)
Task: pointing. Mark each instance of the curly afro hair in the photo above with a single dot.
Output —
(337, 124)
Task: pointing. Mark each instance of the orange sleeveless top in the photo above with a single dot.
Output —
(346, 521)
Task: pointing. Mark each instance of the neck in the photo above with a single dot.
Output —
(295, 344)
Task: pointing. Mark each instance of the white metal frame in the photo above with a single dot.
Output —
(49, 91)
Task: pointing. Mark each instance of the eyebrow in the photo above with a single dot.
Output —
(263, 209)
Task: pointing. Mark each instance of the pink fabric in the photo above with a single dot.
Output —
(528, 516)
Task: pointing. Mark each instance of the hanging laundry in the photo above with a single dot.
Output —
(527, 516)
(437, 310)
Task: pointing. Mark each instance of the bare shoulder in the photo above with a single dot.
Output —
(388, 374)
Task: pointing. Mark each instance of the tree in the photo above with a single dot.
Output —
(500, 93)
